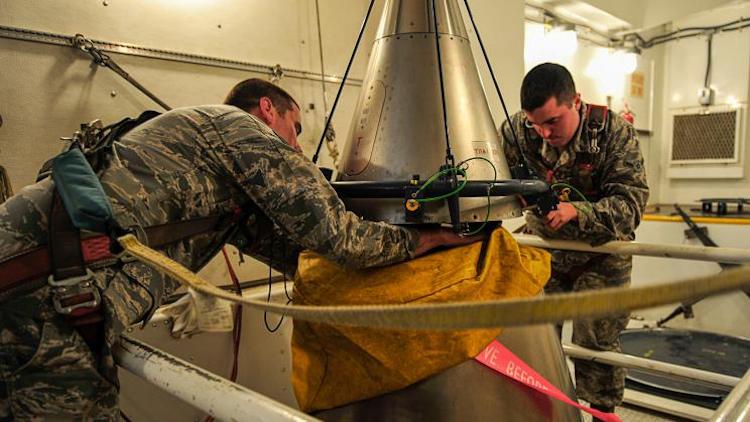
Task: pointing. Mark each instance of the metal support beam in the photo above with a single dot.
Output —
(654, 366)
(736, 407)
(697, 253)
(214, 395)
(175, 56)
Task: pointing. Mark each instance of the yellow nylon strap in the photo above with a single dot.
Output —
(461, 315)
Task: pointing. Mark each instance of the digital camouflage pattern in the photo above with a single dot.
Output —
(188, 163)
(614, 181)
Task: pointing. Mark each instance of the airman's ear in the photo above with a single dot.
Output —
(266, 111)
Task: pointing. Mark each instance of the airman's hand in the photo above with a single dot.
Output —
(432, 238)
(564, 213)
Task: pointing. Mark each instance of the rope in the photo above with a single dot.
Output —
(463, 315)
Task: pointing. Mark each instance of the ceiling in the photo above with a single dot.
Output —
(615, 16)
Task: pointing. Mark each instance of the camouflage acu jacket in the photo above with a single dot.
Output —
(614, 179)
(205, 161)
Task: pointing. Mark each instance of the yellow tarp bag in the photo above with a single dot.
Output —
(336, 365)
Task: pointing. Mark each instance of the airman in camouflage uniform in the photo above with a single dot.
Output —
(560, 146)
(186, 164)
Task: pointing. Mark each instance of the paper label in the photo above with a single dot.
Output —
(214, 314)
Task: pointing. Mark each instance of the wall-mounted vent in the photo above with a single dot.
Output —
(706, 137)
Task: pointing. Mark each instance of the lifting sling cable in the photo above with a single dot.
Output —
(463, 315)
(497, 87)
(103, 59)
(448, 153)
(343, 82)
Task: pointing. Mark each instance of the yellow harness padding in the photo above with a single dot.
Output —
(335, 365)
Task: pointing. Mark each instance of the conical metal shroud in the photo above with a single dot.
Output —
(398, 131)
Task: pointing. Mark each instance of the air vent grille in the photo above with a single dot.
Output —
(705, 137)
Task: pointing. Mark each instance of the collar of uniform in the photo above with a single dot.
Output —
(577, 142)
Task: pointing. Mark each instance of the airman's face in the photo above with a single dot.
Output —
(288, 126)
(556, 122)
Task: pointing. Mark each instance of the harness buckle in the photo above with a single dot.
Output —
(75, 293)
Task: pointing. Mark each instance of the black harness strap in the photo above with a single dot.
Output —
(64, 243)
(596, 125)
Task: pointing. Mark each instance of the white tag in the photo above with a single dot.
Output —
(214, 314)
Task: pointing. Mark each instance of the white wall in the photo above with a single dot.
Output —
(47, 90)
(684, 70)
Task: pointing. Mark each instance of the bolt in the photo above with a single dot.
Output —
(113, 94)
(105, 2)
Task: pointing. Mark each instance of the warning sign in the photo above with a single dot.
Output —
(637, 84)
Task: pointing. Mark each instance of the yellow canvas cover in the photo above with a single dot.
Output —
(336, 365)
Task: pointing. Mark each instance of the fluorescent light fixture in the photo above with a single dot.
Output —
(563, 42)
(626, 60)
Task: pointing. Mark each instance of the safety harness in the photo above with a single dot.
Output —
(597, 128)
(82, 230)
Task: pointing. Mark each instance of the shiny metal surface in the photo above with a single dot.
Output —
(472, 392)
(398, 128)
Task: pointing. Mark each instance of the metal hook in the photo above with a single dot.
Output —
(277, 72)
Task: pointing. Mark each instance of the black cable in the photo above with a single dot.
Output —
(283, 271)
(708, 60)
(270, 283)
(343, 82)
(448, 153)
(497, 87)
(736, 28)
(696, 34)
(692, 32)
(265, 313)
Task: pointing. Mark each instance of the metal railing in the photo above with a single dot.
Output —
(217, 396)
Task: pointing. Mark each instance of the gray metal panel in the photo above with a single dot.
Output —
(473, 392)
(397, 129)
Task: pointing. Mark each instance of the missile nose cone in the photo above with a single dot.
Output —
(398, 126)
